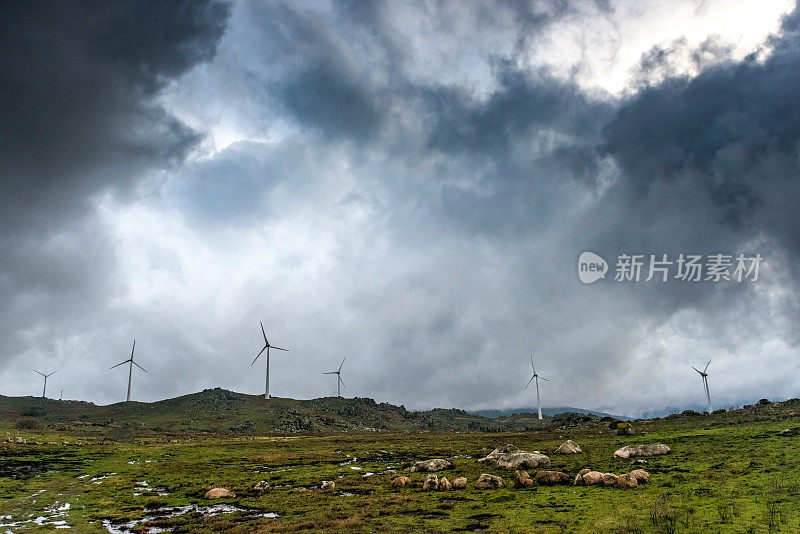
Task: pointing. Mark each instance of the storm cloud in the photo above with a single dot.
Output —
(407, 184)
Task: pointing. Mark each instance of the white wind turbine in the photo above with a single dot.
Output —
(130, 370)
(44, 389)
(704, 376)
(537, 377)
(267, 346)
(339, 381)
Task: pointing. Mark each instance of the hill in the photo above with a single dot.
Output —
(222, 411)
(550, 412)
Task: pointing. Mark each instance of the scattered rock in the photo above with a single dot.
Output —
(609, 479)
(641, 476)
(627, 481)
(261, 486)
(431, 483)
(436, 464)
(578, 481)
(328, 485)
(511, 457)
(399, 482)
(173, 441)
(20, 440)
(653, 449)
(593, 478)
(444, 484)
(522, 479)
(460, 483)
(551, 478)
(216, 493)
(487, 481)
(638, 461)
(583, 472)
(569, 447)
(788, 432)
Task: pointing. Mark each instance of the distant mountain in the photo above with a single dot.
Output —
(549, 412)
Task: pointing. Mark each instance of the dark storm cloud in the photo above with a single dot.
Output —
(77, 81)
(729, 135)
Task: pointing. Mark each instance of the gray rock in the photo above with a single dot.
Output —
(436, 464)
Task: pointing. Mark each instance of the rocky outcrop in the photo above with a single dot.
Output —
(627, 481)
(459, 483)
(436, 464)
(444, 484)
(587, 477)
(653, 449)
(641, 476)
(522, 479)
(569, 447)
(551, 478)
(487, 481)
(216, 493)
(431, 483)
(510, 457)
(399, 482)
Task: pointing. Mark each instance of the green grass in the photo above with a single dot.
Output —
(727, 473)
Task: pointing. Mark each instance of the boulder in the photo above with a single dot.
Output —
(626, 481)
(261, 486)
(578, 481)
(511, 457)
(653, 449)
(460, 483)
(609, 479)
(787, 432)
(328, 485)
(444, 484)
(583, 472)
(641, 476)
(216, 493)
(522, 479)
(431, 483)
(399, 482)
(638, 461)
(487, 481)
(436, 464)
(551, 478)
(569, 447)
(593, 478)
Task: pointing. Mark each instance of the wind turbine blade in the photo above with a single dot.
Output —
(35, 371)
(133, 348)
(706, 369)
(342, 382)
(546, 380)
(262, 331)
(277, 348)
(140, 367)
(696, 369)
(331, 373)
(532, 367)
(120, 363)
(529, 382)
(259, 354)
(341, 364)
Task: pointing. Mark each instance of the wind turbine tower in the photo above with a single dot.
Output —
(704, 376)
(267, 346)
(339, 382)
(130, 369)
(536, 377)
(44, 389)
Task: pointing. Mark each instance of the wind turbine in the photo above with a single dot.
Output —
(704, 376)
(44, 389)
(267, 346)
(339, 381)
(130, 370)
(537, 377)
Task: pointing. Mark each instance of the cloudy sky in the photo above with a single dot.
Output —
(408, 184)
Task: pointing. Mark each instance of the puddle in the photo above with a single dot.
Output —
(137, 526)
(52, 516)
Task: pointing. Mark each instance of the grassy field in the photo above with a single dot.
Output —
(730, 472)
